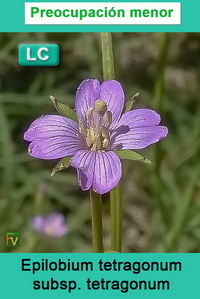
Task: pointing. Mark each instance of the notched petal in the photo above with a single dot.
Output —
(137, 129)
(113, 95)
(100, 170)
(139, 138)
(87, 92)
(53, 137)
(108, 171)
(84, 162)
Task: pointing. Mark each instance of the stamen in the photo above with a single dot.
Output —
(97, 143)
(92, 133)
(105, 133)
(90, 136)
(108, 118)
(89, 140)
(96, 131)
(89, 114)
(105, 143)
(83, 129)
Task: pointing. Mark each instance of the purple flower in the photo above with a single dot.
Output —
(52, 225)
(102, 129)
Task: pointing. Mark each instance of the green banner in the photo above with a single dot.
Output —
(100, 275)
(119, 16)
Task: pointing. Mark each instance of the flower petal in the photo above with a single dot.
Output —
(84, 162)
(137, 129)
(139, 118)
(138, 138)
(113, 95)
(53, 137)
(87, 92)
(108, 172)
(100, 170)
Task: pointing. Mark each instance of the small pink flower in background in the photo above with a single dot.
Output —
(101, 130)
(52, 225)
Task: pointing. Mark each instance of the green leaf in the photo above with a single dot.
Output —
(131, 155)
(130, 103)
(64, 109)
(62, 164)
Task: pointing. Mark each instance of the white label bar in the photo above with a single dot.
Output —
(102, 13)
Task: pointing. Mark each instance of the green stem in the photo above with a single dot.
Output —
(160, 71)
(96, 208)
(115, 194)
(116, 219)
(158, 105)
(107, 56)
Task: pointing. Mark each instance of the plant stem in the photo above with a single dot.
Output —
(107, 56)
(115, 194)
(160, 72)
(96, 208)
(158, 105)
(116, 219)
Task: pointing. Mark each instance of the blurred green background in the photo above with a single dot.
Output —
(162, 200)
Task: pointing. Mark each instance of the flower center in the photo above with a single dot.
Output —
(96, 128)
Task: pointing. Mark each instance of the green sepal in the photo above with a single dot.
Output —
(64, 109)
(131, 155)
(130, 102)
(62, 164)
